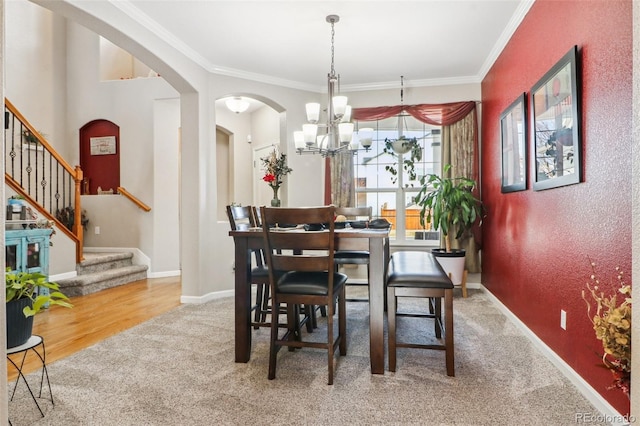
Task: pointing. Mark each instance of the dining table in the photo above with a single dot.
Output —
(376, 241)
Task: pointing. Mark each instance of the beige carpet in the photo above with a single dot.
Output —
(178, 369)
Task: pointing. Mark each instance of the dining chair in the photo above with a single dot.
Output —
(307, 312)
(355, 256)
(302, 273)
(242, 218)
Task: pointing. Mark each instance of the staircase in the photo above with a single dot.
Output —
(99, 271)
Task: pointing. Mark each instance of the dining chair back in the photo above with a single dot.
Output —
(240, 217)
(302, 273)
(243, 218)
(354, 257)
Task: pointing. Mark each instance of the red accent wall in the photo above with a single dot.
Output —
(536, 244)
(99, 170)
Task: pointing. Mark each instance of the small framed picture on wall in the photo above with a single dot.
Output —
(513, 136)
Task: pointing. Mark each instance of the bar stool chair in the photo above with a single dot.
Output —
(307, 312)
(307, 277)
(242, 218)
(357, 255)
(418, 274)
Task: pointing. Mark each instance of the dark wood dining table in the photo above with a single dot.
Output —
(374, 240)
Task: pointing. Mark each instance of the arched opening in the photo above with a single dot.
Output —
(100, 157)
(250, 135)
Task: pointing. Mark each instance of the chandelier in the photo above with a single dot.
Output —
(336, 136)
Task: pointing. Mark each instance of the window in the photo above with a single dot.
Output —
(375, 184)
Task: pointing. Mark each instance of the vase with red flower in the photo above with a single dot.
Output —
(276, 168)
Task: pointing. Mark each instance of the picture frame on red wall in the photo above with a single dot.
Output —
(556, 134)
(513, 138)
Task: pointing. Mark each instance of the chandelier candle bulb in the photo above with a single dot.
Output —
(346, 132)
(347, 114)
(298, 138)
(309, 131)
(313, 112)
(339, 106)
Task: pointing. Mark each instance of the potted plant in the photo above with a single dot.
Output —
(26, 294)
(16, 202)
(401, 146)
(449, 204)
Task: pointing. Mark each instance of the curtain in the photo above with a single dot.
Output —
(460, 149)
(342, 182)
(435, 114)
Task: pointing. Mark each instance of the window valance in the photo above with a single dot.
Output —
(434, 114)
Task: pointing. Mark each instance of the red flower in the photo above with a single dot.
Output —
(269, 178)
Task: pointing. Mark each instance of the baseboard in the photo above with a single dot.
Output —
(609, 414)
(164, 274)
(63, 276)
(207, 297)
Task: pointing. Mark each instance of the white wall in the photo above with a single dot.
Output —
(165, 225)
(35, 76)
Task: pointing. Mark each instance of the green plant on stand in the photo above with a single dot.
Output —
(21, 285)
(27, 293)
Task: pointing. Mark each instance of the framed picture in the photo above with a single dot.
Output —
(513, 135)
(556, 140)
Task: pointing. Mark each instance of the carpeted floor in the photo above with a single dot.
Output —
(178, 369)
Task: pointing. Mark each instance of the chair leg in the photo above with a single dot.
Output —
(448, 327)
(342, 321)
(257, 315)
(293, 323)
(464, 283)
(391, 320)
(310, 314)
(273, 349)
(437, 301)
(265, 302)
(330, 347)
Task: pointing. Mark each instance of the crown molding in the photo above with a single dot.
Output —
(511, 28)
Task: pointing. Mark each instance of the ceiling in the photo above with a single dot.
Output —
(429, 42)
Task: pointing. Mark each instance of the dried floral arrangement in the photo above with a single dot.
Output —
(275, 168)
(612, 324)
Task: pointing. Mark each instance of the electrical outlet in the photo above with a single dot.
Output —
(563, 319)
(97, 230)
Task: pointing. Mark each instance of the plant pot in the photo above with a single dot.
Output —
(452, 262)
(19, 328)
(401, 146)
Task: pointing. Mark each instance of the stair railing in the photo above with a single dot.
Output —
(133, 199)
(38, 173)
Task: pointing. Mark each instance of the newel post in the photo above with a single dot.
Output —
(77, 215)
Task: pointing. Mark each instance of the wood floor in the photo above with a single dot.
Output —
(97, 316)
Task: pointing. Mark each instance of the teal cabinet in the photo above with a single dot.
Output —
(27, 250)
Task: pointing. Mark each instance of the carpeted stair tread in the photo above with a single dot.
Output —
(96, 262)
(99, 271)
(95, 258)
(102, 276)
